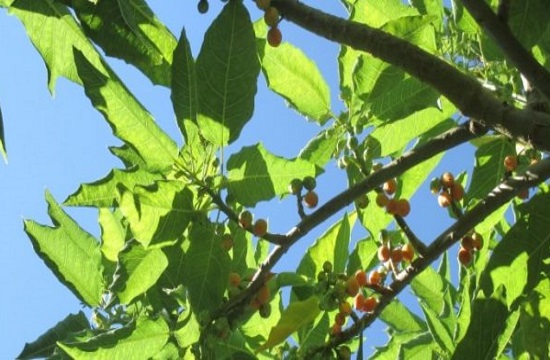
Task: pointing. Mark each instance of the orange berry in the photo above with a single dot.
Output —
(227, 242)
(447, 179)
(391, 207)
(510, 162)
(263, 294)
(359, 301)
(390, 186)
(408, 252)
(245, 219)
(396, 255)
(234, 279)
(381, 199)
(384, 253)
(271, 16)
(444, 199)
(457, 192)
(352, 286)
(340, 319)
(370, 304)
(361, 277)
(465, 256)
(403, 207)
(274, 36)
(523, 194)
(477, 241)
(311, 199)
(375, 277)
(467, 242)
(335, 329)
(345, 308)
(260, 227)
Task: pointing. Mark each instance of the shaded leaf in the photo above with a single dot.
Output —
(401, 319)
(363, 256)
(187, 329)
(319, 149)
(439, 331)
(70, 252)
(256, 175)
(535, 321)
(391, 350)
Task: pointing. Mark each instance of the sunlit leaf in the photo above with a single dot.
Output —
(401, 319)
(2, 139)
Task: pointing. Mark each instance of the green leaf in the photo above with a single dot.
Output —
(294, 317)
(376, 14)
(316, 334)
(2, 139)
(184, 84)
(363, 256)
(465, 308)
(528, 20)
(488, 169)
(70, 252)
(138, 270)
(227, 69)
(113, 238)
(158, 213)
(421, 347)
(45, 345)
(319, 150)
(390, 351)
(140, 340)
(104, 193)
(187, 329)
(291, 74)
(44, 22)
(256, 175)
(129, 31)
(518, 260)
(127, 117)
(205, 268)
(401, 319)
(439, 331)
(257, 328)
(535, 321)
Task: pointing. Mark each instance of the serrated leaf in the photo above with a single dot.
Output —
(518, 261)
(291, 74)
(184, 84)
(421, 347)
(390, 351)
(488, 169)
(129, 30)
(103, 193)
(205, 268)
(158, 213)
(70, 252)
(319, 150)
(401, 319)
(295, 316)
(535, 321)
(113, 238)
(256, 175)
(138, 270)
(140, 340)
(227, 69)
(363, 256)
(45, 345)
(44, 22)
(439, 331)
(127, 117)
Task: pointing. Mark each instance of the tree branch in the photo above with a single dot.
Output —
(462, 90)
(501, 34)
(499, 196)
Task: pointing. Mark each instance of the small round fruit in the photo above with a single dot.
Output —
(263, 4)
(265, 310)
(381, 199)
(370, 304)
(245, 219)
(510, 162)
(390, 186)
(465, 256)
(352, 286)
(523, 194)
(311, 199)
(234, 279)
(295, 186)
(408, 252)
(344, 353)
(345, 308)
(477, 241)
(375, 277)
(396, 255)
(263, 294)
(403, 207)
(391, 207)
(362, 202)
(359, 301)
(467, 242)
(327, 266)
(435, 185)
(310, 183)
(447, 180)
(340, 319)
(274, 37)
(457, 192)
(271, 16)
(335, 330)
(202, 6)
(227, 242)
(361, 277)
(444, 199)
(384, 253)
(260, 227)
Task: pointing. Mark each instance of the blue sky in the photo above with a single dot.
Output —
(57, 143)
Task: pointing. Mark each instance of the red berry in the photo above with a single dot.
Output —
(384, 253)
(408, 252)
(375, 278)
(352, 286)
(311, 199)
(361, 277)
(391, 207)
(381, 199)
(396, 255)
(260, 227)
(444, 199)
(274, 36)
(447, 180)
(510, 162)
(467, 242)
(390, 186)
(370, 304)
(465, 256)
(403, 207)
(359, 301)
(457, 192)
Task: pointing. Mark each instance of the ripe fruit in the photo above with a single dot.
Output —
(352, 286)
(396, 255)
(311, 199)
(245, 219)
(263, 4)
(391, 207)
(295, 186)
(370, 304)
(523, 194)
(510, 162)
(340, 319)
(457, 192)
(310, 183)
(274, 36)
(227, 242)
(477, 240)
(467, 242)
(403, 207)
(390, 186)
(384, 253)
(271, 16)
(444, 199)
(202, 6)
(375, 278)
(335, 329)
(465, 256)
(447, 180)
(359, 301)
(345, 308)
(361, 277)
(263, 294)
(260, 227)
(381, 199)
(234, 279)
(408, 252)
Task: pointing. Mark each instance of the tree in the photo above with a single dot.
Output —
(183, 270)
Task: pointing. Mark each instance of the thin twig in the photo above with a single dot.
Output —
(418, 245)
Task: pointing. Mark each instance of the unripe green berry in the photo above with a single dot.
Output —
(309, 183)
